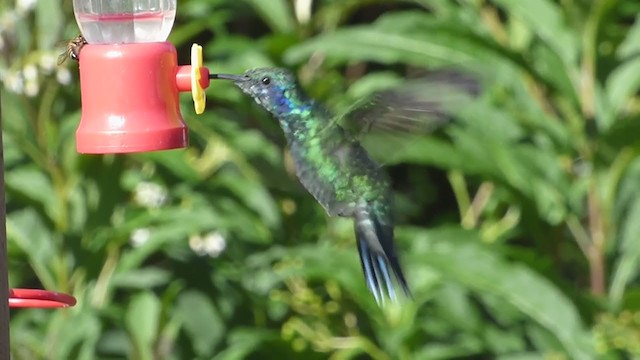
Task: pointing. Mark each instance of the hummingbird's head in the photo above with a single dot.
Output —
(275, 89)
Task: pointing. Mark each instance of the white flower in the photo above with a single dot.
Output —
(30, 72)
(25, 5)
(139, 237)
(31, 88)
(303, 10)
(197, 245)
(14, 82)
(63, 75)
(48, 63)
(8, 21)
(150, 195)
(212, 244)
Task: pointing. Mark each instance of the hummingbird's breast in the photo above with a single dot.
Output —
(337, 170)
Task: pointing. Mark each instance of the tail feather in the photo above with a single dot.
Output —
(377, 256)
(369, 270)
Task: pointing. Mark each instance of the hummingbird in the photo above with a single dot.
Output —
(335, 168)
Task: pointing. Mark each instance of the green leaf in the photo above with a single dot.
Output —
(82, 328)
(144, 278)
(277, 13)
(370, 44)
(551, 68)
(32, 183)
(171, 225)
(26, 229)
(415, 150)
(630, 46)
(546, 19)
(50, 21)
(624, 80)
(205, 326)
(254, 196)
(142, 320)
(176, 161)
(243, 341)
(622, 84)
(628, 264)
(464, 347)
(459, 256)
(521, 356)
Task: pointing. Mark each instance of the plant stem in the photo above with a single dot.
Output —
(595, 254)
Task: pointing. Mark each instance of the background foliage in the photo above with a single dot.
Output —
(518, 223)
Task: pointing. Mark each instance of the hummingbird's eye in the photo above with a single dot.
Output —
(266, 80)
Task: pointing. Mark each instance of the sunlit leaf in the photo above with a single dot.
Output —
(142, 320)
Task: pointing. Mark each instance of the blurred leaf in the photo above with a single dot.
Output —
(254, 196)
(144, 278)
(204, 326)
(417, 150)
(551, 68)
(142, 320)
(522, 356)
(173, 225)
(35, 185)
(115, 342)
(459, 256)
(277, 13)
(630, 46)
(176, 162)
(626, 268)
(547, 20)
(243, 341)
(27, 230)
(370, 44)
(50, 20)
(81, 331)
(623, 83)
(466, 347)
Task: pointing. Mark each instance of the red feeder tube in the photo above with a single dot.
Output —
(34, 298)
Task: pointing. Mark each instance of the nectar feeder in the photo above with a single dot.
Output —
(130, 78)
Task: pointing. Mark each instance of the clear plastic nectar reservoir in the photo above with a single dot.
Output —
(125, 21)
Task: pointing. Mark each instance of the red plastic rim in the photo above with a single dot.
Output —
(34, 298)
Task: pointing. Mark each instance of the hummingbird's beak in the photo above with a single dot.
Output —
(235, 78)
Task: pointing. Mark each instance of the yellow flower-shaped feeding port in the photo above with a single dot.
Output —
(197, 92)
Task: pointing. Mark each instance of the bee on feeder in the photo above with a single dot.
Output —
(73, 49)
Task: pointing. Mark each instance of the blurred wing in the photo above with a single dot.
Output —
(416, 106)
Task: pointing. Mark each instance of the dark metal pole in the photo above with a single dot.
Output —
(4, 268)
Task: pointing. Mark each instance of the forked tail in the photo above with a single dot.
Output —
(374, 234)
